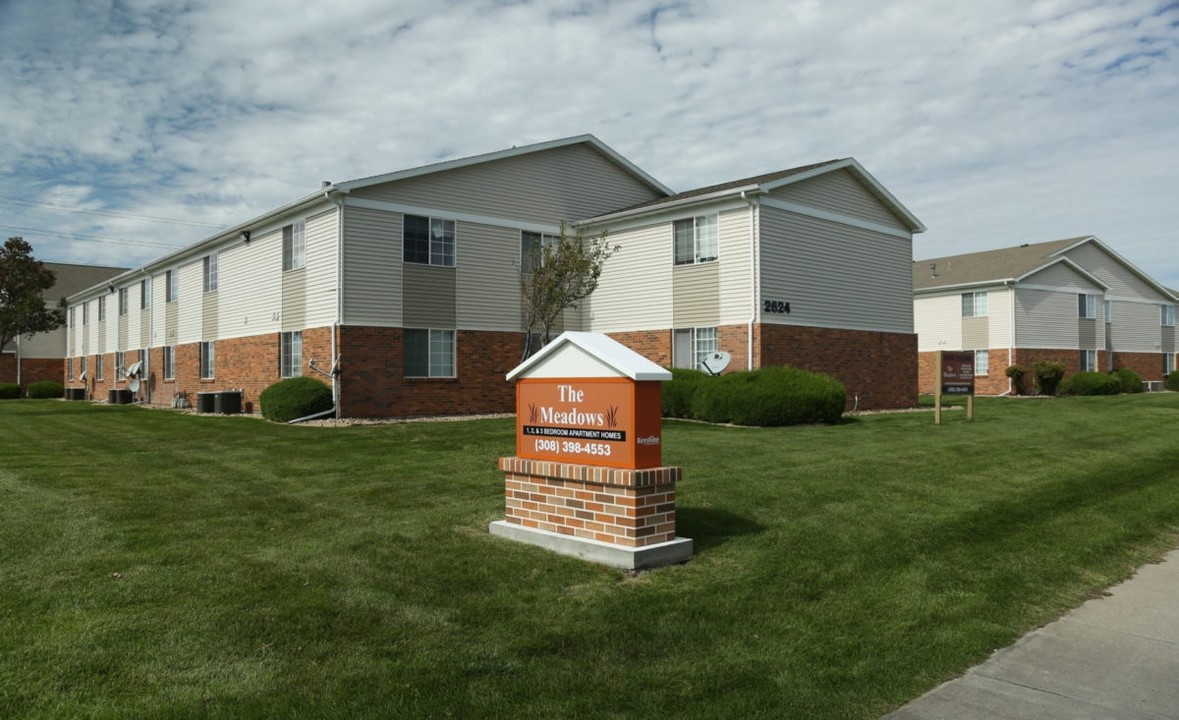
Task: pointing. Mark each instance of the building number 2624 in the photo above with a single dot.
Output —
(775, 306)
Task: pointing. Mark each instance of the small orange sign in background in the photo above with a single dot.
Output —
(611, 422)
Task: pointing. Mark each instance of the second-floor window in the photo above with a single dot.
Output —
(428, 241)
(1168, 315)
(696, 240)
(974, 304)
(102, 308)
(532, 249)
(210, 272)
(123, 301)
(145, 293)
(294, 245)
(171, 285)
(1086, 305)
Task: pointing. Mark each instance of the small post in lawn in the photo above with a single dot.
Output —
(955, 376)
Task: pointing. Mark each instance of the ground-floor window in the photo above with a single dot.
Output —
(429, 353)
(290, 354)
(98, 367)
(69, 368)
(691, 346)
(982, 363)
(120, 364)
(82, 367)
(1168, 363)
(170, 362)
(1088, 361)
(208, 360)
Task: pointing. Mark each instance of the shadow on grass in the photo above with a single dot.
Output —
(710, 528)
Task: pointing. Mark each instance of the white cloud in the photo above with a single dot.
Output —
(996, 123)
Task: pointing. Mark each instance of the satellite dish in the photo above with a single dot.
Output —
(716, 362)
(82, 377)
(133, 385)
(134, 369)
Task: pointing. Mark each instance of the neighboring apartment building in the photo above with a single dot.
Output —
(1074, 300)
(40, 357)
(403, 290)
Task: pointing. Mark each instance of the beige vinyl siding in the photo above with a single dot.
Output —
(635, 289)
(976, 333)
(571, 183)
(372, 273)
(294, 300)
(85, 330)
(429, 296)
(249, 286)
(1121, 281)
(696, 295)
(191, 302)
(938, 322)
(736, 301)
(142, 325)
(835, 275)
(488, 290)
(320, 267)
(210, 312)
(1136, 327)
(1046, 319)
(121, 332)
(840, 192)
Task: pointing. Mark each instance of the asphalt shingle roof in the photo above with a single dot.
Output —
(988, 265)
(75, 278)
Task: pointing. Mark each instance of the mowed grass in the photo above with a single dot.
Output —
(154, 564)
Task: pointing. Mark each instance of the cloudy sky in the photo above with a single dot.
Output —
(132, 127)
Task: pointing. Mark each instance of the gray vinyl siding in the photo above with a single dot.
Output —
(1046, 319)
(835, 275)
(1168, 344)
(1121, 281)
(840, 192)
(488, 278)
(696, 295)
(320, 258)
(635, 290)
(736, 299)
(1064, 277)
(429, 296)
(571, 183)
(42, 345)
(372, 273)
(1136, 327)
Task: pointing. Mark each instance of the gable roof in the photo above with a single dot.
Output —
(72, 278)
(1010, 264)
(762, 184)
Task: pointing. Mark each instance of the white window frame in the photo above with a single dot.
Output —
(441, 241)
(120, 365)
(169, 362)
(532, 248)
(145, 293)
(73, 316)
(1087, 306)
(208, 359)
(122, 301)
(1167, 315)
(101, 308)
(294, 246)
(1088, 361)
(209, 272)
(705, 231)
(975, 304)
(697, 343)
(1168, 363)
(982, 363)
(290, 354)
(99, 367)
(1108, 312)
(441, 352)
(172, 285)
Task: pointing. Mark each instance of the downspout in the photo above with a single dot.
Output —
(753, 285)
(18, 359)
(151, 333)
(1011, 338)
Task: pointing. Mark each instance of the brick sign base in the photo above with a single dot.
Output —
(615, 516)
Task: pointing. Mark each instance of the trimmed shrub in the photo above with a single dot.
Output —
(770, 396)
(1091, 383)
(1130, 380)
(1173, 381)
(9, 391)
(678, 392)
(1017, 373)
(1048, 374)
(46, 389)
(295, 398)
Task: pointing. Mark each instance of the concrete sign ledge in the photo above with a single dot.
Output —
(672, 552)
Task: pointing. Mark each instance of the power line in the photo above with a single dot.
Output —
(91, 238)
(110, 213)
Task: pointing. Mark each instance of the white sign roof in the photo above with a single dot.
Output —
(582, 354)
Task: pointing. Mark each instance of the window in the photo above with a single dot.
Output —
(290, 354)
(86, 313)
(691, 346)
(99, 367)
(72, 315)
(208, 360)
(982, 362)
(974, 304)
(532, 246)
(69, 368)
(1168, 363)
(293, 245)
(210, 272)
(102, 308)
(82, 366)
(120, 365)
(428, 241)
(170, 362)
(123, 301)
(1088, 361)
(1168, 315)
(1086, 306)
(145, 294)
(171, 285)
(696, 240)
(429, 353)
(1108, 311)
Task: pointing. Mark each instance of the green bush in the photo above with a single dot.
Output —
(1091, 383)
(1017, 374)
(678, 392)
(769, 397)
(1131, 381)
(1048, 375)
(9, 391)
(295, 398)
(46, 389)
(1173, 381)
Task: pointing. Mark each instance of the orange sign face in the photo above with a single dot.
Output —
(612, 422)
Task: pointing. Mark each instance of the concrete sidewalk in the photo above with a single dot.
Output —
(1114, 658)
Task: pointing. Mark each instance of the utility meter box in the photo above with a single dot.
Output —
(588, 399)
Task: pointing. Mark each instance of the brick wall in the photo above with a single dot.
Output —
(31, 369)
(994, 383)
(655, 345)
(632, 508)
(881, 368)
(1148, 365)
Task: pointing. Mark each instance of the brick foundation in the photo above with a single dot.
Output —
(631, 508)
(1148, 365)
(31, 369)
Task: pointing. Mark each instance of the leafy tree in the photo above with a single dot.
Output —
(23, 282)
(555, 276)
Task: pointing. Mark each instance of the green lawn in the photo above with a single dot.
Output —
(154, 564)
